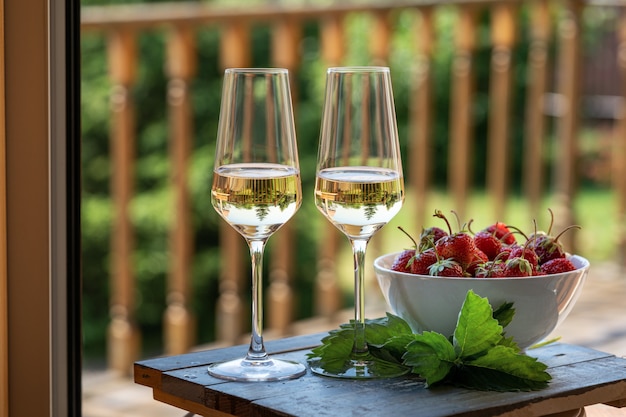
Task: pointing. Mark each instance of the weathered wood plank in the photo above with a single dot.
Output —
(581, 377)
(187, 405)
(148, 372)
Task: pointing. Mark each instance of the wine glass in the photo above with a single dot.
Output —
(256, 189)
(359, 184)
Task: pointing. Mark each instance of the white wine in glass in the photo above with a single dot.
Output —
(359, 187)
(256, 189)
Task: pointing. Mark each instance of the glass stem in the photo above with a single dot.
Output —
(358, 249)
(257, 352)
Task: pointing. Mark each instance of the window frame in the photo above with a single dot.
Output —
(40, 309)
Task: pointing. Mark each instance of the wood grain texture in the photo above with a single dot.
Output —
(581, 377)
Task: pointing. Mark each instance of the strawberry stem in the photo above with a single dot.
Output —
(574, 226)
(458, 220)
(410, 237)
(469, 226)
(439, 213)
(551, 220)
(517, 230)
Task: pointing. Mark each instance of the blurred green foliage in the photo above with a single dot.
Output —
(151, 209)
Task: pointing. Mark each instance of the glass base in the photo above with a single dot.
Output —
(359, 369)
(260, 370)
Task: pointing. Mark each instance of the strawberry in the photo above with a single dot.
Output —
(502, 232)
(527, 252)
(488, 243)
(446, 268)
(557, 266)
(458, 246)
(490, 269)
(430, 236)
(422, 262)
(404, 261)
(517, 267)
(505, 251)
(479, 259)
(548, 247)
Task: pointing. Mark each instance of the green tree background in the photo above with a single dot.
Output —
(151, 210)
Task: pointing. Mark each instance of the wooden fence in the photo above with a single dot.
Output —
(555, 24)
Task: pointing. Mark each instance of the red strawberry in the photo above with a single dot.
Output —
(403, 261)
(430, 236)
(422, 262)
(490, 269)
(446, 268)
(557, 266)
(505, 251)
(488, 243)
(517, 267)
(527, 252)
(458, 246)
(502, 232)
(479, 259)
(548, 247)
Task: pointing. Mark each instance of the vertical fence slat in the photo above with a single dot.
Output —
(620, 182)
(332, 39)
(503, 34)
(235, 45)
(568, 86)
(460, 152)
(179, 322)
(286, 36)
(421, 111)
(535, 131)
(123, 333)
(379, 49)
(327, 292)
(380, 38)
(231, 315)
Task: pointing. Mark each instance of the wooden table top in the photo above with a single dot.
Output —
(580, 377)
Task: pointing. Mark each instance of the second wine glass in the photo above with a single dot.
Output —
(359, 186)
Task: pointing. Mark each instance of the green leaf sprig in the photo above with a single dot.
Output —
(477, 356)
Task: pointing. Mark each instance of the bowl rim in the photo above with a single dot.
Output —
(378, 266)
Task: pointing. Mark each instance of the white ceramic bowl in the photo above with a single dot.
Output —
(433, 303)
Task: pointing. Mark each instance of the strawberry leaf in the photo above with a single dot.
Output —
(504, 314)
(476, 356)
(385, 337)
(336, 348)
(503, 369)
(431, 356)
(378, 331)
(476, 330)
